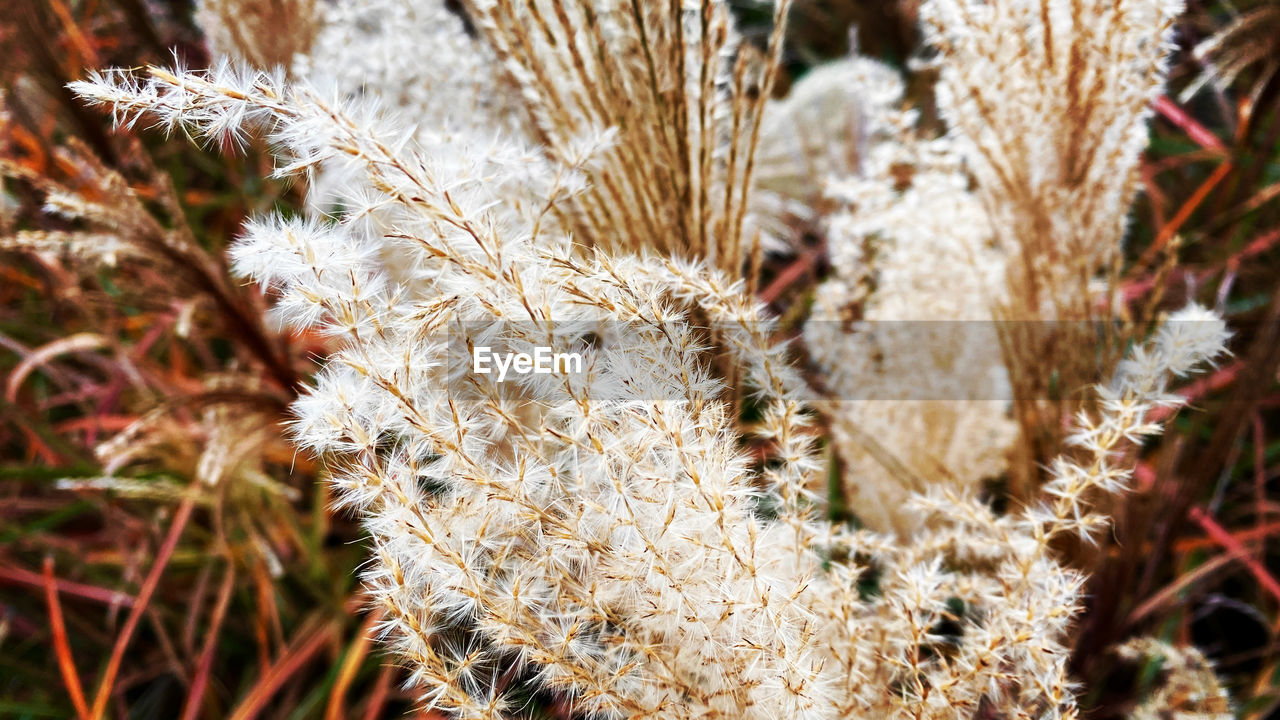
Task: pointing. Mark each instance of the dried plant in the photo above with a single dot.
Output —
(108, 222)
(1248, 41)
(418, 64)
(916, 388)
(646, 536)
(1057, 176)
(263, 33)
(219, 429)
(1187, 686)
(680, 98)
(576, 473)
(605, 537)
(820, 132)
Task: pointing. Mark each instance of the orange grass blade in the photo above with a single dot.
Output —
(1184, 213)
(310, 642)
(350, 664)
(66, 664)
(1205, 139)
(88, 57)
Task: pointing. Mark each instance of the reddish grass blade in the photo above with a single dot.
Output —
(144, 596)
(1258, 532)
(1238, 551)
(1169, 594)
(1135, 289)
(1205, 139)
(1194, 130)
(1260, 481)
(80, 590)
(1197, 389)
(381, 689)
(790, 274)
(1258, 245)
(201, 680)
(66, 664)
(20, 278)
